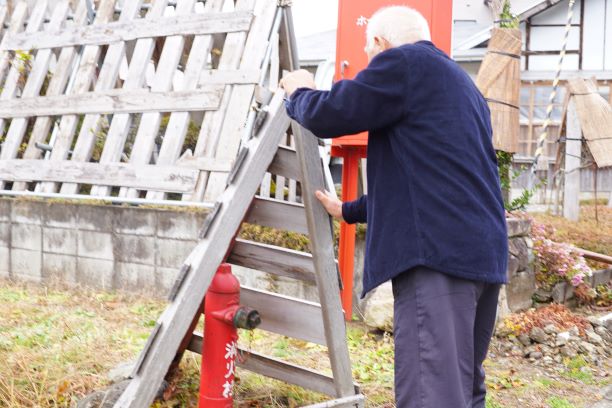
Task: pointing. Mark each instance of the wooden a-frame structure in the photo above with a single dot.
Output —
(77, 82)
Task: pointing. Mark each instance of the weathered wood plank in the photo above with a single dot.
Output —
(149, 122)
(238, 107)
(285, 163)
(321, 242)
(205, 259)
(113, 101)
(285, 315)
(11, 85)
(229, 123)
(355, 401)
(178, 124)
(229, 77)
(83, 79)
(272, 259)
(57, 84)
(278, 214)
(107, 78)
(33, 84)
(165, 178)
(277, 369)
(191, 24)
(573, 149)
(18, 18)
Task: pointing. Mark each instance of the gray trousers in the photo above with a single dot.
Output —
(443, 326)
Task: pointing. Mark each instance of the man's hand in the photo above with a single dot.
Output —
(297, 79)
(332, 205)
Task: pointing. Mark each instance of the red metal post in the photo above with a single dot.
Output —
(346, 245)
(222, 316)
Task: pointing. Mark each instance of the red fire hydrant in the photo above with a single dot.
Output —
(223, 315)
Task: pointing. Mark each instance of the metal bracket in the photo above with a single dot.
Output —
(260, 119)
(242, 155)
(285, 3)
(209, 220)
(178, 282)
(145, 350)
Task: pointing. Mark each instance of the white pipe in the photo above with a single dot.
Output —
(119, 200)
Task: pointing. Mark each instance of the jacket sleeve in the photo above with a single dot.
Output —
(355, 211)
(371, 101)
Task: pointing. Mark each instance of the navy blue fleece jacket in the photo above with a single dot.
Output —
(434, 197)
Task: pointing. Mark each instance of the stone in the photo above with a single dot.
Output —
(567, 351)
(524, 339)
(548, 360)
(595, 321)
(562, 292)
(587, 348)
(520, 289)
(379, 309)
(550, 329)
(594, 338)
(562, 339)
(574, 331)
(536, 355)
(121, 372)
(538, 335)
(542, 296)
(603, 332)
(529, 349)
(108, 397)
(518, 248)
(518, 227)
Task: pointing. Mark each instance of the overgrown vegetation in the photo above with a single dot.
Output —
(58, 345)
(506, 176)
(506, 18)
(554, 238)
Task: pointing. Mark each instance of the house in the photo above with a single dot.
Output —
(589, 55)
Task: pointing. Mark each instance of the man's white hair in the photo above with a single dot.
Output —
(399, 25)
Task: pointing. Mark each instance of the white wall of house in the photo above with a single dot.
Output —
(596, 42)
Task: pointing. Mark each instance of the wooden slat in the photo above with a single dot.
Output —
(205, 259)
(235, 106)
(205, 163)
(278, 214)
(285, 163)
(11, 85)
(149, 122)
(165, 178)
(353, 401)
(192, 24)
(275, 368)
(239, 105)
(285, 315)
(57, 84)
(229, 76)
(18, 18)
(178, 124)
(113, 101)
(321, 242)
(83, 79)
(273, 259)
(33, 84)
(107, 79)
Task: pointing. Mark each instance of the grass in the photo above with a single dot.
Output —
(57, 345)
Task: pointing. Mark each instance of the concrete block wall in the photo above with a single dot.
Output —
(98, 246)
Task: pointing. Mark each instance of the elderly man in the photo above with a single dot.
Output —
(436, 222)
